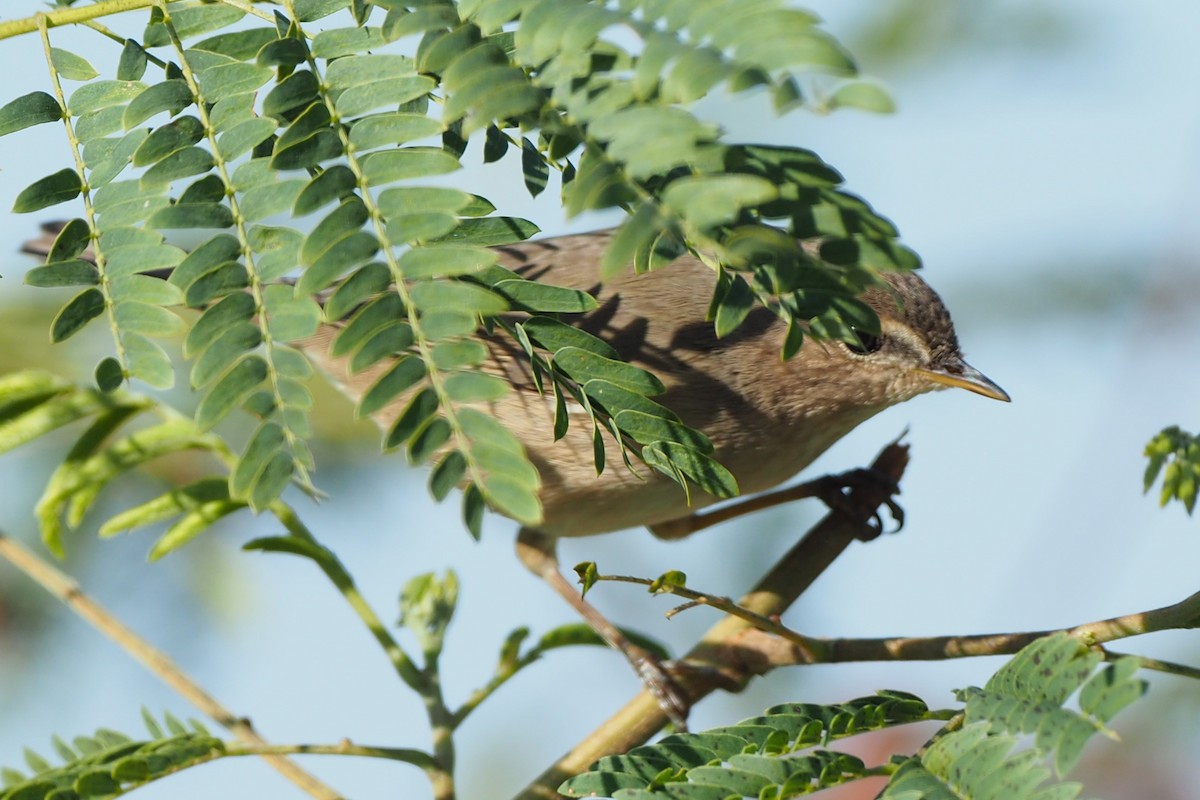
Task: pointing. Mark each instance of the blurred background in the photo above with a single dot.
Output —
(1043, 161)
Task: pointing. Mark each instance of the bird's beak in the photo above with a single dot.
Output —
(969, 378)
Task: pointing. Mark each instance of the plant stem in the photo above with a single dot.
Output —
(68, 591)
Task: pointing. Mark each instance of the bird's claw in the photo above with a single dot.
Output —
(832, 491)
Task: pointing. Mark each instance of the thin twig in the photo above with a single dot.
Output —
(68, 591)
(768, 651)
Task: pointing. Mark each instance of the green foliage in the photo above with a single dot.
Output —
(1025, 696)
(125, 432)
(757, 757)
(972, 757)
(109, 764)
(1175, 455)
(268, 120)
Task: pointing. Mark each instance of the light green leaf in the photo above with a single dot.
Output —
(71, 66)
(388, 166)
(346, 41)
(172, 96)
(444, 261)
(862, 95)
(103, 94)
(394, 128)
(150, 320)
(710, 200)
(192, 524)
(417, 199)
(475, 387)
(147, 361)
(458, 296)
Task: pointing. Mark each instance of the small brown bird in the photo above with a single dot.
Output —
(767, 418)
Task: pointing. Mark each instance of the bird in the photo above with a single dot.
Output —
(767, 418)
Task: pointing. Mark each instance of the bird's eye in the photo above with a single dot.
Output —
(867, 343)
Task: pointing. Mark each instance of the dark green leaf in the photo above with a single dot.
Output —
(64, 273)
(534, 168)
(51, 190)
(83, 308)
(28, 110)
(406, 373)
(420, 408)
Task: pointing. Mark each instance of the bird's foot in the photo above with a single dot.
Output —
(832, 489)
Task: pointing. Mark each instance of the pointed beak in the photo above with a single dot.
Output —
(969, 378)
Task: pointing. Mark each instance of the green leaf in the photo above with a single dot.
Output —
(417, 199)
(447, 474)
(192, 524)
(346, 41)
(147, 361)
(334, 184)
(392, 128)
(71, 66)
(444, 261)
(82, 309)
(71, 241)
(554, 336)
(540, 297)
(180, 164)
(407, 372)
(423, 405)
(147, 319)
(51, 190)
(103, 94)
(710, 200)
(458, 296)
(171, 96)
(225, 349)
(475, 387)
(388, 166)
(864, 96)
(64, 273)
(389, 340)
(584, 365)
(734, 306)
(28, 110)
(231, 390)
(244, 137)
(491, 231)
(699, 468)
(290, 316)
(227, 80)
(534, 168)
(365, 283)
(458, 353)
(358, 100)
(109, 375)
